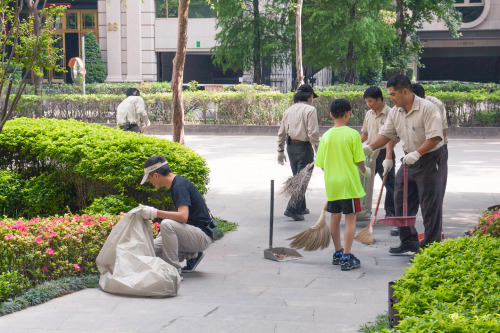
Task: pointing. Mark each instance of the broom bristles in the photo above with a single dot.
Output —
(316, 237)
(365, 236)
(295, 187)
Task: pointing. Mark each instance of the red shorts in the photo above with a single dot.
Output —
(346, 206)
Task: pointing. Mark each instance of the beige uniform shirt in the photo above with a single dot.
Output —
(373, 122)
(441, 107)
(300, 121)
(131, 110)
(421, 123)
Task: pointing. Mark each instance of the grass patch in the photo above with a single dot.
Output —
(381, 323)
(223, 227)
(47, 291)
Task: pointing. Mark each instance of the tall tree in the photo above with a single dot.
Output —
(410, 17)
(298, 43)
(252, 33)
(178, 73)
(24, 49)
(345, 35)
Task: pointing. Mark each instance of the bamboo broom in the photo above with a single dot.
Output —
(313, 238)
(365, 236)
(295, 187)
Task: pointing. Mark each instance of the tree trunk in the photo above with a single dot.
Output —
(178, 73)
(351, 57)
(257, 61)
(37, 30)
(401, 31)
(298, 45)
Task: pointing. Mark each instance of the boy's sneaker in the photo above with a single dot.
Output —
(192, 263)
(337, 257)
(349, 261)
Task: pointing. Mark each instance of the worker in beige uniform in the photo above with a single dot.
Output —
(131, 112)
(300, 131)
(382, 160)
(419, 90)
(418, 123)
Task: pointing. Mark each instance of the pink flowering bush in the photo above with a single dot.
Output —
(489, 224)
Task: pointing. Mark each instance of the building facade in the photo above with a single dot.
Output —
(475, 56)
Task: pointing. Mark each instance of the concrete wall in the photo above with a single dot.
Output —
(199, 29)
(489, 19)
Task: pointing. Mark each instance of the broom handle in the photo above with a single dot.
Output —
(326, 205)
(271, 215)
(378, 201)
(405, 192)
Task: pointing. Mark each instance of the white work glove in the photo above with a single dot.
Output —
(147, 212)
(387, 164)
(411, 158)
(281, 157)
(367, 150)
(367, 173)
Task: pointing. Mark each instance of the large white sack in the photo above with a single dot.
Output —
(128, 264)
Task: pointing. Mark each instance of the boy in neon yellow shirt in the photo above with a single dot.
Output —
(340, 154)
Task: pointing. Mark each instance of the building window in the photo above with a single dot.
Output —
(470, 9)
(170, 9)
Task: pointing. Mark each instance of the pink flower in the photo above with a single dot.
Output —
(44, 268)
(38, 239)
(54, 234)
(8, 237)
(50, 251)
(86, 222)
(66, 236)
(77, 267)
(483, 228)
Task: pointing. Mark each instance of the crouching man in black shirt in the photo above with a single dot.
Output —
(185, 233)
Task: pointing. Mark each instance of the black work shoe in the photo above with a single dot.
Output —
(337, 257)
(405, 247)
(349, 262)
(304, 212)
(395, 232)
(192, 263)
(294, 216)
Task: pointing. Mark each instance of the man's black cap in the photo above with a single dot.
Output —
(307, 89)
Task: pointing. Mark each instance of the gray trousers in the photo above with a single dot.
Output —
(179, 241)
(426, 185)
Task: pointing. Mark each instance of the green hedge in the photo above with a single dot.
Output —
(71, 163)
(476, 108)
(452, 286)
(50, 89)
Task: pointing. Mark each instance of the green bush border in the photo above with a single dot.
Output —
(47, 291)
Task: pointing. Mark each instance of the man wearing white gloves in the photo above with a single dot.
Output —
(382, 160)
(299, 129)
(131, 112)
(187, 232)
(418, 123)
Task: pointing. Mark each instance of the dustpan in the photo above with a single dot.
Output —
(405, 220)
(278, 253)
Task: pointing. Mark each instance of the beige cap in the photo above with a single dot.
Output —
(150, 169)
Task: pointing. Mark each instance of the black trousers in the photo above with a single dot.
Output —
(426, 184)
(389, 182)
(300, 154)
(131, 128)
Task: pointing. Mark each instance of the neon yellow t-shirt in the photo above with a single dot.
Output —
(339, 150)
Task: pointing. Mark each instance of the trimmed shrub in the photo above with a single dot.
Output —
(489, 224)
(452, 286)
(47, 194)
(44, 249)
(96, 160)
(51, 89)
(11, 186)
(111, 204)
(94, 66)
(11, 284)
(392, 71)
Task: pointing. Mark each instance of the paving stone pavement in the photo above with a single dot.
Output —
(235, 289)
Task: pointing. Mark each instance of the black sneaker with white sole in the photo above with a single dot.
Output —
(192, 263)
(337, 257)
(349, 261)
